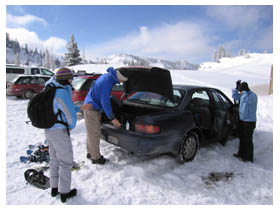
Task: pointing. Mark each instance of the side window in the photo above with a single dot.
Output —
(40, 81)
(33, 80)
(218, 102)
(24, 80)
(45, 79)
(8, 71)
(178, 95)
(16, 71)
(35, 71)
(226, 101)
(200, 98)
(46, 72)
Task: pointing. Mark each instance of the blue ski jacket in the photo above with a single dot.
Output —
(247, 105)
(63, 101)
(100, 91)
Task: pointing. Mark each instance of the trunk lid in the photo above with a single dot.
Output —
(151, 79)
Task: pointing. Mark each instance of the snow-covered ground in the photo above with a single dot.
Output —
(161, 180)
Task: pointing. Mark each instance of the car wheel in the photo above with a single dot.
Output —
(28, 94)
(189, 147)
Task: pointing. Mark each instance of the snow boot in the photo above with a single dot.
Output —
(64, 197)
(88, 156)
(100, 161)
(54, 192)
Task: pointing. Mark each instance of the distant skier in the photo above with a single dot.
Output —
(247, 120)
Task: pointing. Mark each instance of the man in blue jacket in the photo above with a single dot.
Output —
(96, 101)
(247, 120)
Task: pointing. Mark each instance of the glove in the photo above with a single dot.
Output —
(237, 84)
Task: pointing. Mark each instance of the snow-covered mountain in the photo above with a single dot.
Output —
(132, 60)
(15, 54)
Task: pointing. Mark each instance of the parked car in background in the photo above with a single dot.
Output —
(164, 118)
(13, 71)
(82, 84)
(25, 86)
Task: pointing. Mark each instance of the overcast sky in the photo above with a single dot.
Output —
(185, 32)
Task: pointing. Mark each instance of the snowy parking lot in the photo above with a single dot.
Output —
(161, 180)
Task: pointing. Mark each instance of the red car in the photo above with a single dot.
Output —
(25, 86)
(82, 84)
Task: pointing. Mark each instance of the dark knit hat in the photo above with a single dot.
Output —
(63, 74)
(243, 86)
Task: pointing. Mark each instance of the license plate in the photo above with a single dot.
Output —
(113, 140)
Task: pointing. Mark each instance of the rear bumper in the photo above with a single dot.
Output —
(140, 144)
(13, 92)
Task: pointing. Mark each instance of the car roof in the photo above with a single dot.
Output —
(36, 75)
(88, 76)
(190, 87)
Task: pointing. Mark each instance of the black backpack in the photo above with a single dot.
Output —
(40, 109)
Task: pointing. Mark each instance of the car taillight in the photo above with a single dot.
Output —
(15, 87)
(147, 129)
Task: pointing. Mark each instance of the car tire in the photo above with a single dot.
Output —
(189, 147)
(28, 94)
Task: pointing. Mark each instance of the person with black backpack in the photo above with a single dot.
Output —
(58, 135)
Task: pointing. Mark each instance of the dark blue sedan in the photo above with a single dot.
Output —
(159, 118)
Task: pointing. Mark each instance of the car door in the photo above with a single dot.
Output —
(223, 121)
(200, 107)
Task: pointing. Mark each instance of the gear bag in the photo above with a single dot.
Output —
(40, 109)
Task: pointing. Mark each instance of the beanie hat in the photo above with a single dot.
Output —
(120, 76)
(243, 86)
(63, 74)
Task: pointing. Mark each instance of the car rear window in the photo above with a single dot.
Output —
(155, 99)
(82, 83)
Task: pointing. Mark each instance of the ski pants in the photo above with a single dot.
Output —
(92, 121)
(61, 159)
(246, 147)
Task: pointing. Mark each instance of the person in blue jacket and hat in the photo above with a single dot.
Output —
(58, 136)
(96, 101)
(247, 120)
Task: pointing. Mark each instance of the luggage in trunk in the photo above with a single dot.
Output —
(129, 112)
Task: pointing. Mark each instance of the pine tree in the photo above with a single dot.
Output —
(17, 60)
(26, 49)
(84, 58)
(215, 56)
(7, 40)
(228, 54)
(221, 52)
(241, 52)
(73, 56)
(47, 60)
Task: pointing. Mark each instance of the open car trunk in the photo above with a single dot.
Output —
(131, 112)
(141, 79)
